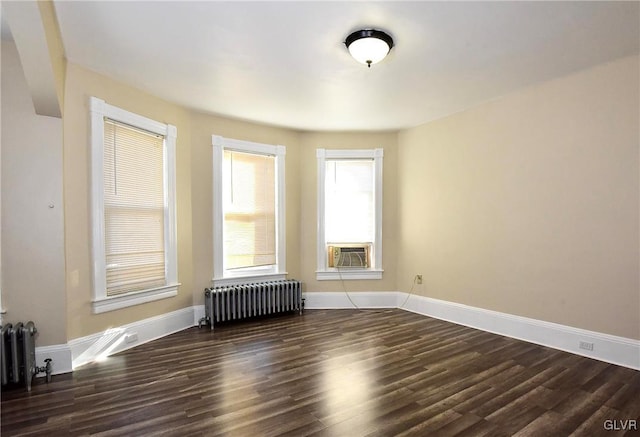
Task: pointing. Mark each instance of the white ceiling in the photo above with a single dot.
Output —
(284, 63)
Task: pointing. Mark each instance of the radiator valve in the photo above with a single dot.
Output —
(45, 369)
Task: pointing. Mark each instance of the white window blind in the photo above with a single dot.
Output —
(134, 203)
(249, 204)
(349, 201)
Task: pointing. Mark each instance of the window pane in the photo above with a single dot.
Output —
(249, 210)
(349, 201)
(134, 209)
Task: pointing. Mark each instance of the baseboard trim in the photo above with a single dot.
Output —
(60, 355)
(102, 344)
(198, 313)
(340, 300)
(608, 348)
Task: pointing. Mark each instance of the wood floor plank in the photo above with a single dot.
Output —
(330, 373)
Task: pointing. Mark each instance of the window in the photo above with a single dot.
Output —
(133, 208)
(349, 214)
(249, 211)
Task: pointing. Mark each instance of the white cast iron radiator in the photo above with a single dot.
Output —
(235, 302)
(18, 355)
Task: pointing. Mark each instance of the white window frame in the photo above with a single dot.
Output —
(278, 271)
(323, 272)
(101, 302)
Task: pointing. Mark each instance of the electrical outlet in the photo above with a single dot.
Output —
(418, 279)
(131, 337)
(586, 345)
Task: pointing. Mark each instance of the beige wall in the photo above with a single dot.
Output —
(301, 197)
(308, 212)
(202, 127)
(195, 201)
(529, 204)
(80, 85)
(33, 285)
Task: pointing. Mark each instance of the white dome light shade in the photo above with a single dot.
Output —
(369, 50)
(369, 46)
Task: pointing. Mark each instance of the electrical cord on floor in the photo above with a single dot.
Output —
(344, 288)
(415, 278)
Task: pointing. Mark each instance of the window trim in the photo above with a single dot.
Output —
(101, 302)
(256, 274)
(324, 273)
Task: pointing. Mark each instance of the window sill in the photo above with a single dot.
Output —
(348, 275)
(106, 304)
(248, 279)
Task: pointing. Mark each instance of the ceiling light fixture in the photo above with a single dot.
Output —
(369, 46)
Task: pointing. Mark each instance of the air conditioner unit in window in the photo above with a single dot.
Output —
(356, 256)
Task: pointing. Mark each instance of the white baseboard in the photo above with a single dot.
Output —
(609, 348)
(96, 346)
(60, 355)
(340, 300)
(198, 313)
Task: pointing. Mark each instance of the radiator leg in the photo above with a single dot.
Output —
(47, 369)
(202, 321)
(302, 307)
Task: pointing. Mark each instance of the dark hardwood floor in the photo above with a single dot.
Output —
(332, 373)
